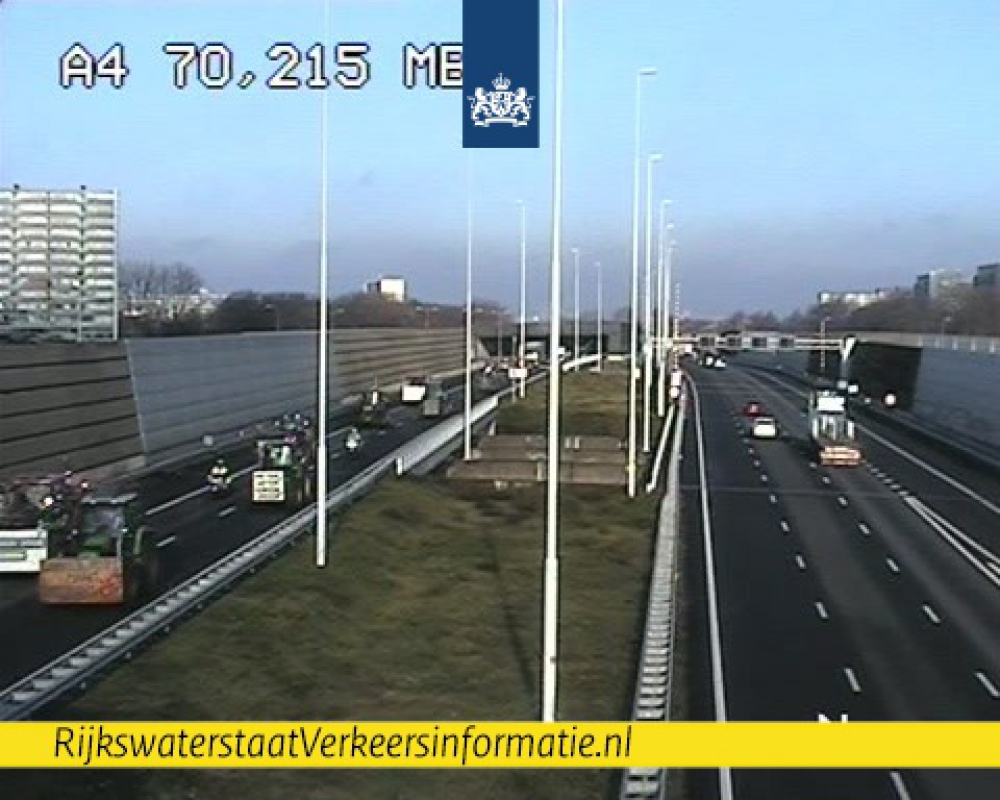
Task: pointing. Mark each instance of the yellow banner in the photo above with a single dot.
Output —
(499, 744)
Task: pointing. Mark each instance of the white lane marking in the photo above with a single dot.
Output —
(951, 535)
(892, 565)
(756, 463)
(826, 479)
(852, 680)
(988, 684)
(785, 526)
(715, 638)
(763, 477)
(931, 614)
(864, 529)
(843, 501)
(955, 484)
(899, 786)
(227, 511)
(895, 486)
(821, 610)
(166, 542)
(204, 489)
(812, 465)
(774, 499)
(800, 561)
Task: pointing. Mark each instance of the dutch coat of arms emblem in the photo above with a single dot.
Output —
(501, 105)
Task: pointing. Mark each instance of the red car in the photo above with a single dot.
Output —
(753, 409)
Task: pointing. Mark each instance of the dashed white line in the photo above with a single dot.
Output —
(852, 680)
(756, 463)
(984, 679)
(227, 511)
(812, 465)
(843, 501)
(895, 486)
(763, 477)
(800, 561)
(166, 542)
(931, 614)
(899, 786)
(826, 479)
(933, 471)
(774, 499)
(785, 526)
(821, 610)
(892, 565)
(864, 529)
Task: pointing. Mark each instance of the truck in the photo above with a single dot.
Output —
(109, 558)
(833, 439)
(414, 391)
(285, 471)
(436, 400)
(34, 513)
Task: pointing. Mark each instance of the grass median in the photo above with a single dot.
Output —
(429, 610)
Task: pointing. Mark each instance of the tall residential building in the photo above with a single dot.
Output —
(59, 263)
(930, 285)
(987, 277)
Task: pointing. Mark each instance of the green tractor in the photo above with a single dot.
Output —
(285, 472)
(110, 557)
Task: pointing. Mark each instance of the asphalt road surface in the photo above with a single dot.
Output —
(872, 592)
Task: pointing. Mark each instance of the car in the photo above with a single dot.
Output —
(720, 362)
(764, 428)
(753, 408)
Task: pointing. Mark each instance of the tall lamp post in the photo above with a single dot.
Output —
(662, 304)
(524, 269)
(600, 316)
(576, 308)
(647, 333)
(322, 404)
(550, 602)
(468, 310)
(634, 332)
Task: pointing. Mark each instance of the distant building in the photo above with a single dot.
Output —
(929, 286)
(392, 288)
(852, 299)
(59, 263)
(987, 277)
(170, 306)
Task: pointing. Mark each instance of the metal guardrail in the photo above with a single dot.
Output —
(580, 362)
(426, 444)
(655, 676)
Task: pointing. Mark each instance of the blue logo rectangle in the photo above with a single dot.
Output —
(500, 73)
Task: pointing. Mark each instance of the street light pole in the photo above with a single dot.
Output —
(550, 603)
(322, 404)
(661, 317)
(468, 310)
(600, 316)
(634, 332)
(524, 271)
(576, 308)
(647, 334)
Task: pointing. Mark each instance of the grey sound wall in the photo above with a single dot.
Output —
(222, 386)
(66, 406)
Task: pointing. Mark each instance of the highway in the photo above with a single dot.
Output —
(194, 528)
(870, 592)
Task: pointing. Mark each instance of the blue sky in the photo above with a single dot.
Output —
(807, 145)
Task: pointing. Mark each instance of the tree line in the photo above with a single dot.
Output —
(958, 310)
(168, 301)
